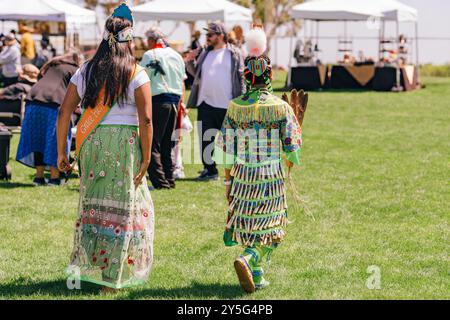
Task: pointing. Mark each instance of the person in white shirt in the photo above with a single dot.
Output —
(218, 79)
(10, 61)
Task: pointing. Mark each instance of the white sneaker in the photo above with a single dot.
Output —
(178, 174)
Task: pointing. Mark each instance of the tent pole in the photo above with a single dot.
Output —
(317, 40)
(312, 30)
(305, 30)
(276, 49)
(398, 53)
(288, 80)
(380, 46)
(317, 31)
(345, 30)
(417, 52)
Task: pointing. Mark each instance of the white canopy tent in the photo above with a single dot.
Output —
(358, 10)
(354, 10)
(332, 10)
(74, 17)
(192, 10)
(46, 10)
(393, 10)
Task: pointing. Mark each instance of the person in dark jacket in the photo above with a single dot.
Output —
(37, 146)
(11, 97)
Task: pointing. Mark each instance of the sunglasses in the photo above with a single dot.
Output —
(209, 35)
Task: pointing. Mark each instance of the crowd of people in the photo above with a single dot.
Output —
(130, 111)
(41, 78)
(20, 50)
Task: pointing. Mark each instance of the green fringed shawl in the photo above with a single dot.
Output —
(257, 105)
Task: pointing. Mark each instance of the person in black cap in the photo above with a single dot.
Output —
(218, 78)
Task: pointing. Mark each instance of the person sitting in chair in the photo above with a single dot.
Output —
(27, 78)
(11, 96)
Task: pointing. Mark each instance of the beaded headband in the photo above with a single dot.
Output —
(124, 35)
(257, 66)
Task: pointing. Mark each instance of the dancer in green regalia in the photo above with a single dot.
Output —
(258, 130)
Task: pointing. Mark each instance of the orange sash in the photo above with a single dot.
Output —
(92, 117)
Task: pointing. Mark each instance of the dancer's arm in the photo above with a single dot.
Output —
(191, 66)
(291, 138)
(70, 103)
(143, 97)
(228, 177)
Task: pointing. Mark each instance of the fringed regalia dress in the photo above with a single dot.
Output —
(258, 128)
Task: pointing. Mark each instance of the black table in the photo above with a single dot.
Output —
(307, 77)
(341, 78)
(385, 78)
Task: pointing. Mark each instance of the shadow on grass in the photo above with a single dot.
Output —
(195, 290)
(58, 288)
(190, 179)
(328, 90)
(13, 185)
(24, 287)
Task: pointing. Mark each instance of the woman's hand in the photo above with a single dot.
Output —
(63, 163)
(142, 172)
(143, 97)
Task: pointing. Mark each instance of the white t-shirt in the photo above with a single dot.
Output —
(215, 86)
(10, 61)
(127, 112)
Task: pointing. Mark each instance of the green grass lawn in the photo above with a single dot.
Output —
(375, 176)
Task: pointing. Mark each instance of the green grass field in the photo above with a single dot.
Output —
(375, 176)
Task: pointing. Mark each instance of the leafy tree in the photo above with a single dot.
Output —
(108, 5)
(271, 13)
(91, 4)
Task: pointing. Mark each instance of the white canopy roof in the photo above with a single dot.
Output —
(335, 10)
(191, 10)
(45, 10)
(395, 10)
(331, 10)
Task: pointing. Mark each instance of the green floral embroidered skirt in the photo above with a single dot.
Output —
(115, 227)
